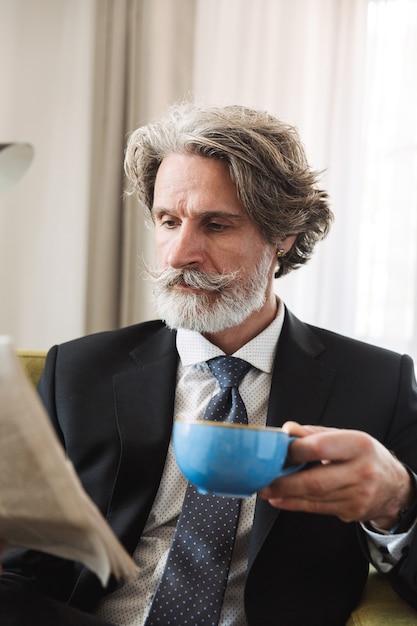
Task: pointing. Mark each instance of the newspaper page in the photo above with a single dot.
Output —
(42, 502)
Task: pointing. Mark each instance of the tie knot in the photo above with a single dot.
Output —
(228, 370)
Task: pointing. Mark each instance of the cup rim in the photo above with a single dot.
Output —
(201, 422)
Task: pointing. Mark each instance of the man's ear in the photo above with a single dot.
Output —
(284, 245)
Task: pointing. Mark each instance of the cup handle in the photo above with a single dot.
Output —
(291, 469)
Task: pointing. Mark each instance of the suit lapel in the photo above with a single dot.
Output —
(300, 382)
(144, 401)
(300, 387)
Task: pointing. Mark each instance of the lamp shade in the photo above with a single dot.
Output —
(15, 159)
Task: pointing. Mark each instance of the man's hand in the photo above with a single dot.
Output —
(355, 477)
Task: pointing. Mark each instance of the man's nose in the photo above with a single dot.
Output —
(187, 248)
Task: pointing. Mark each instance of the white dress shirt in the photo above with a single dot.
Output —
(129, 604)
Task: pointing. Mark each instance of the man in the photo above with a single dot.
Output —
(233, 202)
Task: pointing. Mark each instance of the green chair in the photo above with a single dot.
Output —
(33, 362)
(381, 606)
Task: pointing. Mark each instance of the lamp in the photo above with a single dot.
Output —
(15, 159)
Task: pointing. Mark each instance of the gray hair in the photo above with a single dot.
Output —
(266, 161)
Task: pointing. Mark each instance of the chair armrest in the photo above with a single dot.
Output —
(381, 605)
(33, 362)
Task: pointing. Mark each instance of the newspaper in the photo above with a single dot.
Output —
(42, 502)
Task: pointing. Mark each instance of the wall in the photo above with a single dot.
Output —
(46, 52)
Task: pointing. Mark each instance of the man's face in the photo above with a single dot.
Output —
(216, 267)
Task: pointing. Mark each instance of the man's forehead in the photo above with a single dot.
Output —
(197, 183)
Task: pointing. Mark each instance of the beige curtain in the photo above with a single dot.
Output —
(386, 286)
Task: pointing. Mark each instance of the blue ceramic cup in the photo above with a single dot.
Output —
(234, 460)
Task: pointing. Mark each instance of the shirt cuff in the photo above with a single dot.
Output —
(385, 548)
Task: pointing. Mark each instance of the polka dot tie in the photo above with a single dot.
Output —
(192, 586)
(227, 405)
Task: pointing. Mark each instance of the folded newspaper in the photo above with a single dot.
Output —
(42, 502)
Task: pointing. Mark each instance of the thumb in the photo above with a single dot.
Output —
(299, 430)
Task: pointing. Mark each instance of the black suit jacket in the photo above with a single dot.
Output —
(111, 398)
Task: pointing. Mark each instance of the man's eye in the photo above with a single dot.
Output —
(217, 227)
(166, 223)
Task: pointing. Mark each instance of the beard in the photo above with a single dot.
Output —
(227, 300)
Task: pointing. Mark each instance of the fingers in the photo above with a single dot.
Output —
(319, 492)
(302, 430)
(345, 509)
(349, 474)
(314, 484)
(334, 445)
(297, 430)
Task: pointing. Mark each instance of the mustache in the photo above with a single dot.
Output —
(170, 277)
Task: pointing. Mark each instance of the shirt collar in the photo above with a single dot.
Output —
(259, 352)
